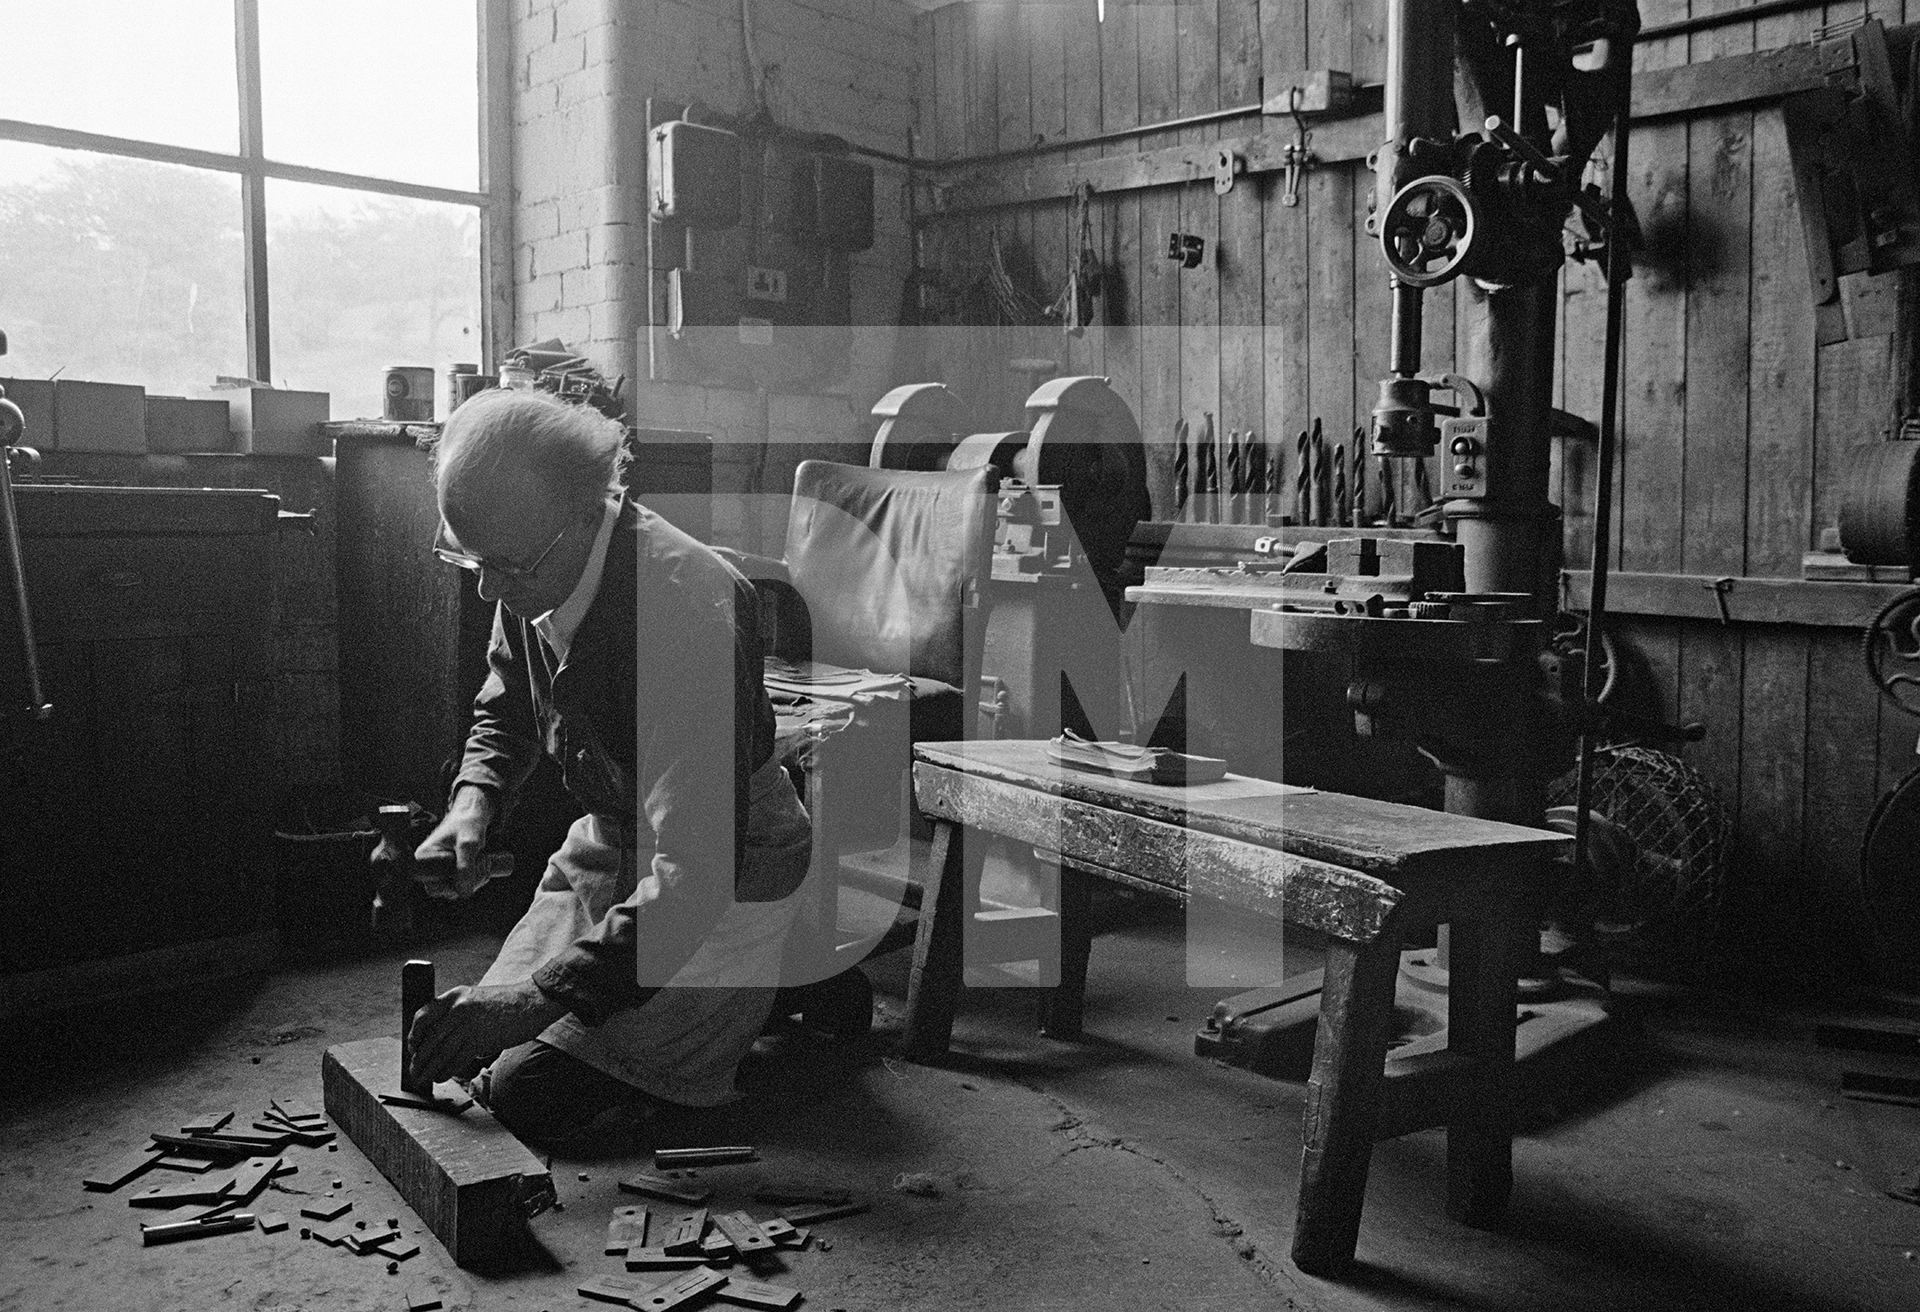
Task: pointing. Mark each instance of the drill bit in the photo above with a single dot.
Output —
(1181, 470)
(1340, 485)
(1209, 486)
(1303, 480)
(1359, 479)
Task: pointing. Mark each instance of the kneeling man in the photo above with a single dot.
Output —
(629, 653)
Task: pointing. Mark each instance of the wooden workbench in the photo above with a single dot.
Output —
(1355, 869)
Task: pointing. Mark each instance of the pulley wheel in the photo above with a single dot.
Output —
(1880, 504)
(1891, 647)
(1428, 230)
(1890, 884)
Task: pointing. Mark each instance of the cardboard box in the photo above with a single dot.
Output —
(34, 396)
(177, 425)
(273, 421)
(103, 417)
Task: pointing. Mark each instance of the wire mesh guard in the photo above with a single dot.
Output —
(1656, 870)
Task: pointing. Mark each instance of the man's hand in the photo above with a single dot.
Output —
(465, 1028)
(462, 836)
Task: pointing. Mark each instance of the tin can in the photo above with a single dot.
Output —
(457, 391)
(463, 386)
(409, 396)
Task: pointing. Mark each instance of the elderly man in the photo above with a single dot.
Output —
(628, 653)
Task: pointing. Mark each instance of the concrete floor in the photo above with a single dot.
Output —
(1716, 1169)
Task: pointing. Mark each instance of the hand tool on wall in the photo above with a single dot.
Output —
(1182, 471)
(1359, 488)
(1320, 485)
(1303, 479)
(1340, 509)
(1209, 489)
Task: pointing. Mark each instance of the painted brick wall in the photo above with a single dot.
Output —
(583, 71)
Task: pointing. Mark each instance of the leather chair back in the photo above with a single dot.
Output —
(894, 566)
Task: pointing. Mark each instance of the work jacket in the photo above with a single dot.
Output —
(658, 720)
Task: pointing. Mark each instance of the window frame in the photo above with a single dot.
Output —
(492, 201)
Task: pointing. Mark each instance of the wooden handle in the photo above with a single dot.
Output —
(416, 991)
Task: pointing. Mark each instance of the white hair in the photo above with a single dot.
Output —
(574, 449)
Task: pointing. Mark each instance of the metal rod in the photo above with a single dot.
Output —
(1617, 256)
(37, 705)
(253, 189)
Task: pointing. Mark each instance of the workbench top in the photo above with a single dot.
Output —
(1390, 840)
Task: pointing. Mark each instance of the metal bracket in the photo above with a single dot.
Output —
(1226, 163)
(1720, 588)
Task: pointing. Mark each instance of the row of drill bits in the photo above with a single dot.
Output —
(1237, 479)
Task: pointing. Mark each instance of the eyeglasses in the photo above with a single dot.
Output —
(444, 548)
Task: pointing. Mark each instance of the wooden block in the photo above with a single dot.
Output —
(426, 1103)
(683, 1235)
(106, 417)
(365, 1241)
(423, 1298)
(782, 1231)
(679, 1291)
(333, 1235)
(613, 1289)
(252, 1141)
(825, 1212)
(742, 1231)
(472, 1182)
(119, 1171)
(251, 1176)
(173, 1195)
(273, 421)
(399, 1250)
(272, 1222)
(327, 1208)
(293, 1109)
(179, 425)
(627, 1229)
(206, 1122)
(756, 1293)
(716, 1247)
(659, 1259)
(658, 1186)
(195, 1165)
(200, 1146)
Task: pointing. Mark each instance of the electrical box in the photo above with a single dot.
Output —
(693, 175)
(833, 203)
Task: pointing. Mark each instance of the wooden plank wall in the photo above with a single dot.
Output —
(1735, 424)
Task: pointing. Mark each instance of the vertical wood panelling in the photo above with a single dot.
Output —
(1734, 428)
(1242, 262)
(1159, 276)
(1653, 431)
(1286, 331)
(1328, 196)
(1122, 308)
(1082, 77)
(1198, 49)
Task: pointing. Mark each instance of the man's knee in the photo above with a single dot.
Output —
(534, 1090)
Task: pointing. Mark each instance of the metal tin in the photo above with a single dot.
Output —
(409, 393)
(463, 380)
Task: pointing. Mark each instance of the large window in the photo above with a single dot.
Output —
(278, 189)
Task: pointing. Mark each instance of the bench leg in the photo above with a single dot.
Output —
(1343, 1102)
(1064, 1008)
(933, 986)
(1480, 1022)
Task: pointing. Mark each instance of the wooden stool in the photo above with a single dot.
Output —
(1354, 869)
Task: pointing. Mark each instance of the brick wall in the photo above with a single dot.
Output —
(583, 71)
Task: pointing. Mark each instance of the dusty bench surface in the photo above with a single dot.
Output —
(1402, 845)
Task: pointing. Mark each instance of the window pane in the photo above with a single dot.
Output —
(118, 270)
(158, 70)
(373, 87)
(361, 282)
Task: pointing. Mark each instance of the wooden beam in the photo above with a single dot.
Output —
(1712, 85)
(1838, 605)
(470, 1180)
